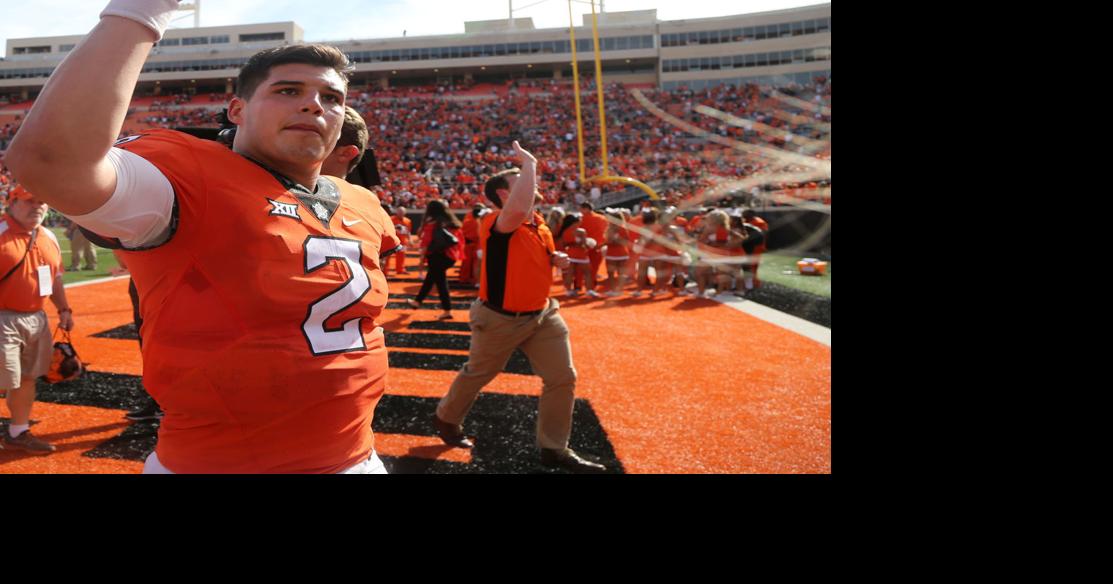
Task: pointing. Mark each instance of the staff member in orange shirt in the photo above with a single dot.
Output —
(32, 261)
(514, 311)
(404, 227)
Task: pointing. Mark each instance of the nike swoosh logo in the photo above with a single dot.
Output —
(350, 223)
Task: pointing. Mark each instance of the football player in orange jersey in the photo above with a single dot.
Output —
(259, 279)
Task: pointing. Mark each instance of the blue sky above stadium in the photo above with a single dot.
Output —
(353, 19)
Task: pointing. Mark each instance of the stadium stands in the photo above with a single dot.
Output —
(441, 141)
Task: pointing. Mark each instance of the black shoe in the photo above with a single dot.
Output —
(453, 435)
(569, 460)
(150, 411)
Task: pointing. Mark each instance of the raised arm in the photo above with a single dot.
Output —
(60, 152)
(518, 205)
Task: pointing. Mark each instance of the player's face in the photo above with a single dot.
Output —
(294, 117)
(28, 212)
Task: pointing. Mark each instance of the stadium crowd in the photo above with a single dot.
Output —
(442, 140)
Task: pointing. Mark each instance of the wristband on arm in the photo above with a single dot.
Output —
(153, 14)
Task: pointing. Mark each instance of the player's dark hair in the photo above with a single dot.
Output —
(260, 64)
(353, 133)
(496, 182)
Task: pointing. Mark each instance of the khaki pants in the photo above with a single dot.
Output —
(544, 339)
(26, 346)
(81, 250)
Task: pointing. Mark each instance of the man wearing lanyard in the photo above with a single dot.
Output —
(31, 266)
(514, 311)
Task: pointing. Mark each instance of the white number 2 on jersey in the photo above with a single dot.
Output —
(318, 252)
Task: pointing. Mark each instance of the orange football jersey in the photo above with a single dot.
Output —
(259, 334)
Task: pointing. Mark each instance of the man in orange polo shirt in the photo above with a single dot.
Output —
(31, 266)
(514, 311)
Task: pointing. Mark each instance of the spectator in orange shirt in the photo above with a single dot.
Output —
(404, 227)
(31, 264)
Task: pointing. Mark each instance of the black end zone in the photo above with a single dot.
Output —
(428, 305)
(518, 362)
(134, 443)
(126, 332)
(504, 426)
(505, 430)
(427, 341)
(95, 389)
(109, 391)
(438, 325)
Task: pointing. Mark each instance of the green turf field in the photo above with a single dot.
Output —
(780, 268)
(106, 262)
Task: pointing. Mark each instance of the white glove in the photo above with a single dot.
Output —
(153, 14)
